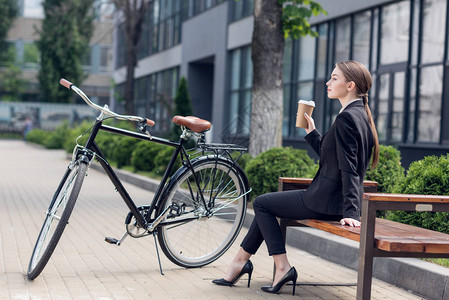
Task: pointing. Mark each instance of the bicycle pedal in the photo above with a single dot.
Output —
(111, 240)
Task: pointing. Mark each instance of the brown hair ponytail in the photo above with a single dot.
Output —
(359, 74)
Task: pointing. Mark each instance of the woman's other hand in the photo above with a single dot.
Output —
(310, 122)
(350, 222)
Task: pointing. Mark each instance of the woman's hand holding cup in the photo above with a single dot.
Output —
(310, 122)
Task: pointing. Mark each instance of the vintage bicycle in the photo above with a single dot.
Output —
(205, 198)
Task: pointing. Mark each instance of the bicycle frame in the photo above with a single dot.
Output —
(91, 145)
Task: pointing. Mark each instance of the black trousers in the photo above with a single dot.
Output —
(288, 204)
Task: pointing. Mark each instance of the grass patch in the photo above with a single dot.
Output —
(439, 261)
(11, 136)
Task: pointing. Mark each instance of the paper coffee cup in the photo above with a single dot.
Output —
(304, 106)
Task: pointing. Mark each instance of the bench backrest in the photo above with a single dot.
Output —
(291, 183)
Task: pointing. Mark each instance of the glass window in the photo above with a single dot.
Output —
(305, 91)
(434, 13)
(235, 69)
(397, 117)
(375, 39)
(395, 32)
(362, 36)
(240, 91)
(105, 58)
(245, 112)
(287, 110)
(120, 55)
(33, 8)
(241, 9)
(248, 71)
(30, 55)
(234, 110)
(382, 106)
(342, 39)
(412, 107)
(322, 51)
(86, 60)
(287, 63)
(306, 61)
(430, 104)
(415, 31)
(154, 96)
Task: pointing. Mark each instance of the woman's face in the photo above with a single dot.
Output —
(337, 86)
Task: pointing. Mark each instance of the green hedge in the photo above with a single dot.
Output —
(429, 176)
(74, 133)
(143, 157)
(38, 136)
(389, 172)
(264, 170)
(123, 151)
(56, 138)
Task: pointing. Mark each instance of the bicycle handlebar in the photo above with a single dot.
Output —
(104, 109)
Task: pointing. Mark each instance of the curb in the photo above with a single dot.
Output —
(420, 277)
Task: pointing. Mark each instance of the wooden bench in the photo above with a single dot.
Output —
(380, 237)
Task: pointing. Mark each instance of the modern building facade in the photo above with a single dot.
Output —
(403, 43)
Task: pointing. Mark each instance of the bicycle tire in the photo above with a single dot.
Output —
(199, 242)
(59, 210)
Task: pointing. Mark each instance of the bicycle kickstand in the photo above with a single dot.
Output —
(157, 251)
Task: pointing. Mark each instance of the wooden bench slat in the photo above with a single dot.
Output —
(389, 236)
(399, 245)
(334, 227)
(406, 198)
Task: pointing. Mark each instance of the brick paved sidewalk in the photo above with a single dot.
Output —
(83, 266)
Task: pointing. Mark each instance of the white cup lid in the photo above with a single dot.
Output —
(307, 102)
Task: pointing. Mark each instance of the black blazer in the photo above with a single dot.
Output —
(345, 152)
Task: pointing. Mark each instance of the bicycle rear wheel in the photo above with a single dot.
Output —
(197, 239)
(57, 217)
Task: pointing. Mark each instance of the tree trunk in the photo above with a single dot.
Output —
(267, 93)
(131, 62)
(134, 11)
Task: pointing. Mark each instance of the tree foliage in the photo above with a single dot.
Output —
(64, 39)
(183, 105)
(8, 12)
(295, 15)
(11, 83)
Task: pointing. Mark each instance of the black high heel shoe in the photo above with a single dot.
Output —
(247, 268)
(291, 275)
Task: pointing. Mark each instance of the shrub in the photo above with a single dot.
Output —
(243, 160)
(143, 156)
(123, 151)
(107, 142)
(264, 170)
(163, 158)
(429, 176)
(389, 172)
(38, 136)
(56, 138)
(74, 133)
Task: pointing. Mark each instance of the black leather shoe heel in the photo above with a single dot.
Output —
(291, 275)
(247, 269)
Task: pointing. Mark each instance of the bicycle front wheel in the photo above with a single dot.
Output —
(192, 236)
(57, 217)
